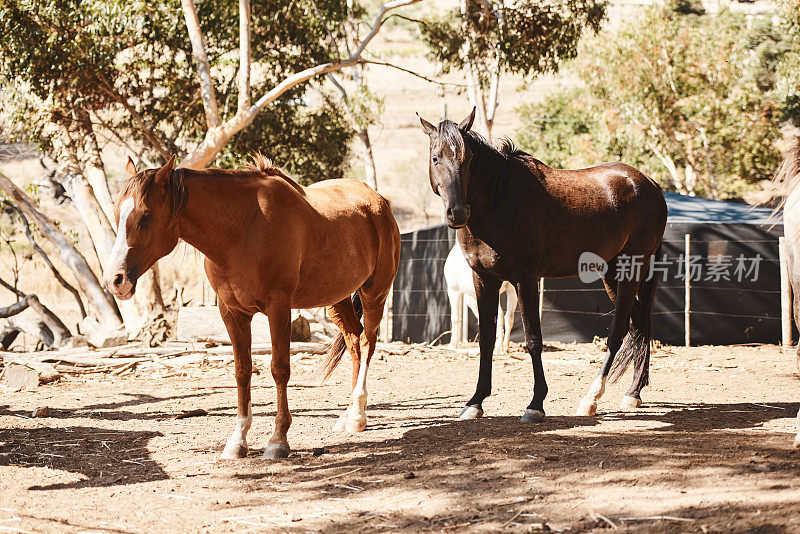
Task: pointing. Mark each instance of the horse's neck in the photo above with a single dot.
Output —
(497, 191)
(214, 213)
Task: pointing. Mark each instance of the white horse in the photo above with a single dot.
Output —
(788, 178)
(461, 290)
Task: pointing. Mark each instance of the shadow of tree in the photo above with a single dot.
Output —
(105, 457)
(498, 473)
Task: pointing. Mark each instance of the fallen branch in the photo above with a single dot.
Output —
(600, 517)
(656, 518)
(10, 311)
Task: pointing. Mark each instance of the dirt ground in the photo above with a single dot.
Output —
(710, 451)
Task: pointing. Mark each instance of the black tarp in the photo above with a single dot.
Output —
(724, 236)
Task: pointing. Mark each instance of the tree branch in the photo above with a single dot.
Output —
(14, 309)
(411, 72)
(244, 56)
(66, 285)
(146, 131)
(218, 136)
(379, 20)
(86, 278)
(203, 67)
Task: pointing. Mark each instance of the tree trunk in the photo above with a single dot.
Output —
(93, 164)
(475, 91)
(98, 300)
(56, 274)
(370, 175)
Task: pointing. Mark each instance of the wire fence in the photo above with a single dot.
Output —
(700, 310)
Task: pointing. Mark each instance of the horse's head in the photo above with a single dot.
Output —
(449, 166)
(146, 229)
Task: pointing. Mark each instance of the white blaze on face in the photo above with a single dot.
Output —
(119, 252)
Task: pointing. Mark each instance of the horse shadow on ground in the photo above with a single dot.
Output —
(490, 469)
(104, 457)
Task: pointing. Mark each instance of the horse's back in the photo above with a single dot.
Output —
(345, 197)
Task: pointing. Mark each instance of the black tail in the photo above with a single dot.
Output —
(636, 347)
(338, 346)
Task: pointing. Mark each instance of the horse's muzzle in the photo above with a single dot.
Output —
(457, 216)
(120, 285)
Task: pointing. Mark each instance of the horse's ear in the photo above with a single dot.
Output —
(429, 128)
(165, 172)
(130, 169)
(466, 124)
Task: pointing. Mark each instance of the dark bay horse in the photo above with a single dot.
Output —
(787, 179)
(270, 245)
(519, 220)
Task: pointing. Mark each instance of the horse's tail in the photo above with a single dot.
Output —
(337, 347)
(788, 174)
(636, 347)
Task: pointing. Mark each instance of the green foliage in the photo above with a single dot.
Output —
(301, 142)
(129, 65)
(686, 92)
(687, 7)
(787, 79)
(561, 131)
(531, 38)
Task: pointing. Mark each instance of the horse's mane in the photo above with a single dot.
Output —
(489, 160)
(788, 175)
(139, 185)
(263, 165)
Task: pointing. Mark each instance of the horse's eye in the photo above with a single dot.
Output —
(145, 219)
(435, 160)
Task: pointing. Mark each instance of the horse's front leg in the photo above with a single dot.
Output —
(280, 318)
(487, 293)
(528, 293)
(238, 327)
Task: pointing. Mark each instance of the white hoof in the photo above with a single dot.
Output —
(629, 403)
(587, 408)
(532, 416)
(471, 412)
(234, 449)
(350, 423)
(276, 451)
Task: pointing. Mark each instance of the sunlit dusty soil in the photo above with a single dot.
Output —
(710, 451)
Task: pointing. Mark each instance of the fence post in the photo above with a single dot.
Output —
(687, 290)
(786, 295)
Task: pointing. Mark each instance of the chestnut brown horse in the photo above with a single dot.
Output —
(270, 245)
(519, 220)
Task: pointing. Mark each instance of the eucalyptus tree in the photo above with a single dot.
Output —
(486, 38)
(205, 81)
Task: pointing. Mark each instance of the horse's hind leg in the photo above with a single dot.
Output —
(797, 437)
(637, 343)
(625, 296)
(456, 316)
(373, 312)
(343, 315)
(511, 308)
